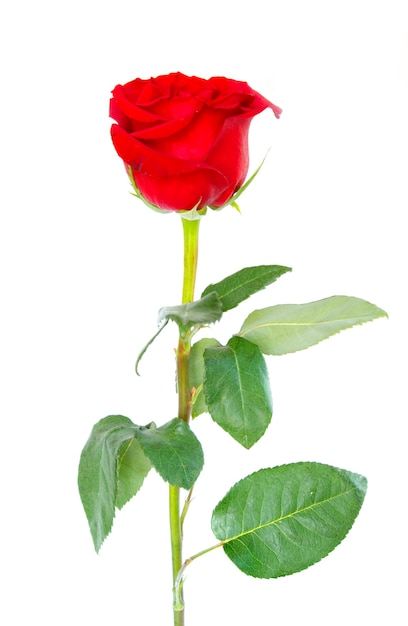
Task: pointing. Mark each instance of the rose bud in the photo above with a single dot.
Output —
(183, 139)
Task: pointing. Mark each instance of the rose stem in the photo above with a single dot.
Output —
(190, 231)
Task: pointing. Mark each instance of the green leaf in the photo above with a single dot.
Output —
(149, 343)
(281, 520)
(133, 467)
(117, 457)
(196, 365)
(175, 452)
(291, 327)
(236, 387)
(243, 284)
(204, 311)
(98, 476)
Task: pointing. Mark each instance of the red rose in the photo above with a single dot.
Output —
(185, 138)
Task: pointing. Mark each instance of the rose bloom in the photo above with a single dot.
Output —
(185, 138)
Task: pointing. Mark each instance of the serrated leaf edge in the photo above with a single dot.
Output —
(356, 488)
(213, 286)
(380, 313)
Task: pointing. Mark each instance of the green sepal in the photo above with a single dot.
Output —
(192, 214)
(196, 374)
(288, 328)
(201, 312)
(281, 520)
(237, 390)
(233, 200)
(241, 285)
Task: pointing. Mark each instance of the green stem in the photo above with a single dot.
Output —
(178, 588)
(190, 231)
(176, 549)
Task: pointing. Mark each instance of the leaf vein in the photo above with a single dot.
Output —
(289, 516)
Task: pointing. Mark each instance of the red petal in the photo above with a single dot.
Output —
(184, 192)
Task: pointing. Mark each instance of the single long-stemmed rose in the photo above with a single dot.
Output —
(184, 143)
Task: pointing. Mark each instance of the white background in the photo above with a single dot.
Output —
(85, 268)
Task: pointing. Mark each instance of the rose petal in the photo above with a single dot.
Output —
(184, 192)
(186, 138)
(162, 179)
